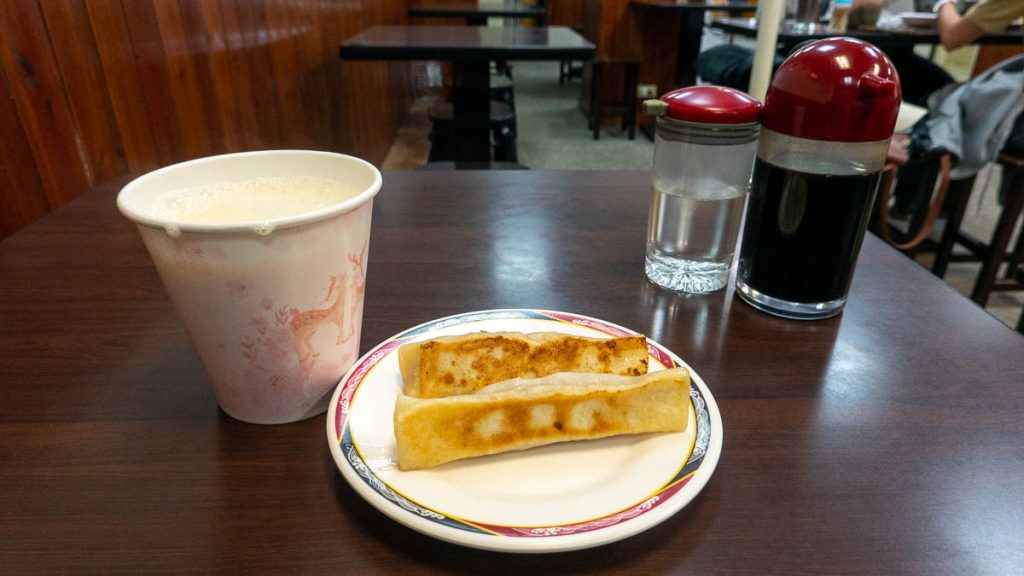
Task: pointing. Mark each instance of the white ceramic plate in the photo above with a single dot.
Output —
(554, 498)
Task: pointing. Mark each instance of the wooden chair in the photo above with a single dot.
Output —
(626, 106)
(1019, 277)
(993, 254)
(920, 225)
(593, 95)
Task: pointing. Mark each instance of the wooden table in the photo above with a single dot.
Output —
(477, 13)
(790, 35)
(887, 440)
(691, 29)
(470, 49)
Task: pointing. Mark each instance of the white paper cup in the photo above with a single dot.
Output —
(274, 308)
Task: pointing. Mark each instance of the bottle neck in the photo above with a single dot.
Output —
(821, 156)
(706, 134)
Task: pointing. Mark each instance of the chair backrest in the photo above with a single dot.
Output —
(991, 54)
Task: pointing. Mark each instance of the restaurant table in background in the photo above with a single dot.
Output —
(791, 34)
(888, 439)
(477, 13)
(691, 29)
(470, 49)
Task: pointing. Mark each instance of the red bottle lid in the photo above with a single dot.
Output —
(712, 105)
(836, 89)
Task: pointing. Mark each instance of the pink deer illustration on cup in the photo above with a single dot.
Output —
(341, 313)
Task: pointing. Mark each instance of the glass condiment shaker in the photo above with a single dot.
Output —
(828, 117)
(703, 156)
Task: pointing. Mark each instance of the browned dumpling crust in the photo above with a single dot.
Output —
(451, 365)
(524, 413)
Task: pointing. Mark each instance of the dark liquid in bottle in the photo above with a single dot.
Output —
(803, 232)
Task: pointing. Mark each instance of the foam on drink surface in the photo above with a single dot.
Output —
(256, 200)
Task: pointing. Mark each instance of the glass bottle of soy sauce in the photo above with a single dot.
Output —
(827, 121)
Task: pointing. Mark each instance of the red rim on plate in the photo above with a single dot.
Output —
(696, 459)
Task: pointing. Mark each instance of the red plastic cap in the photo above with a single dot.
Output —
(712, 105)
(837, 89)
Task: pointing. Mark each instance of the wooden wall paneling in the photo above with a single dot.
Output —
(286, 75)
(98, 88)
(22, 198)
(234, 66)
(619, 32)
(119, 77)
(189, 99)
(565, 13)
(78, 61)
(208, 53)
(251, 72)
(319, 52)
(41, 102)
(158, 94)
(233, 103)
(374, 96)
(338, 25)
(657, 42)
(333, 29)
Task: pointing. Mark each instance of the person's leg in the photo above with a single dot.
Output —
(725, 65)
(729, 65)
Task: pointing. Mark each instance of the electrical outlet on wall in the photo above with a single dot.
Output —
(647, 91)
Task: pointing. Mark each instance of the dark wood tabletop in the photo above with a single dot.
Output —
(477, 13)
(888, 440)
(467, 43)
(698, 5)
(790, 34)
(691, 28)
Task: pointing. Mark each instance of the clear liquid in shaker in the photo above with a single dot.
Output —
(691, 237)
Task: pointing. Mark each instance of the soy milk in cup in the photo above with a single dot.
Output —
(264, 257)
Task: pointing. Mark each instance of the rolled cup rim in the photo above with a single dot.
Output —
(146, 218)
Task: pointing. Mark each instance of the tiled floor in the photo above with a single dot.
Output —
(553, 135)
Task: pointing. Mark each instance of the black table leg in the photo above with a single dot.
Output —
(471, 110)
(691, 26)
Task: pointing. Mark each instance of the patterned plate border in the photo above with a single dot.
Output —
(357, 374)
